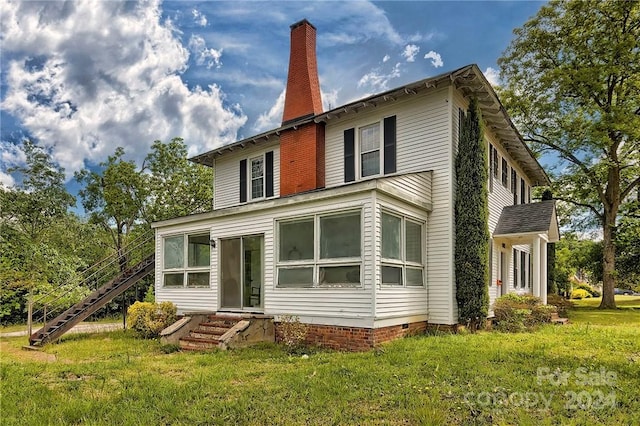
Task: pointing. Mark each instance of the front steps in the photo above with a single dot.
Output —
(555, 319)
(208, 334)
(205, 332)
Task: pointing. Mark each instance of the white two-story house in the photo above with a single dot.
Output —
(345, 218)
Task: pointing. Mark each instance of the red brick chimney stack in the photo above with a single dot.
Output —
(303, 87)
(302, 147)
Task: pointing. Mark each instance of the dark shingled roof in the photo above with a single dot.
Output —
(527, 218)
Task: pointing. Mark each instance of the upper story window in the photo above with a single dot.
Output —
(402, 251)
(185, 260)
(514, 185)
(256, 177)
(522, 191)
(371, 150)
(505, 172)
(320, 251)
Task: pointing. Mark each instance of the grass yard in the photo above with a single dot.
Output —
(587, 372)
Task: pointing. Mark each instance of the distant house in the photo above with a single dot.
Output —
(345, 218)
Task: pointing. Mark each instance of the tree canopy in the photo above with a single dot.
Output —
(572, 86)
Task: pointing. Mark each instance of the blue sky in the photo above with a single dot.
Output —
(81, 78)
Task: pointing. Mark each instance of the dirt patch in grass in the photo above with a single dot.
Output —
(24, 355)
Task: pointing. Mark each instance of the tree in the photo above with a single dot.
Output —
(40, 197)
(572, 78)
(471, 222)
(35, 254)
(114, 197)
(177, 187)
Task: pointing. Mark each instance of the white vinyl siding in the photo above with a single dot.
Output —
(423, 142)
(226, 184)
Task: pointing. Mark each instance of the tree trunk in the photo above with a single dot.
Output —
(608, 264)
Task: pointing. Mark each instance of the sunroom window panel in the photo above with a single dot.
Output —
(198, 250)
(391, 228)
(415, 277)
(340, 236)
(295, 277)
(296, 240)
(198, 279)
(174, 252)
(174, 280)
(392, 275)
(340, 275)
(413, 242)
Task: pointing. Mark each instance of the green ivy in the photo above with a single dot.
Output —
(471, 218)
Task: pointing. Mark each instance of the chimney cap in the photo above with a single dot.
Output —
(302, 22)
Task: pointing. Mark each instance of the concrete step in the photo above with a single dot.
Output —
(204, 334)
(214, 327)
(194, 344)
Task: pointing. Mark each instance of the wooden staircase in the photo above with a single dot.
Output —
(207, 335)
(96, 300)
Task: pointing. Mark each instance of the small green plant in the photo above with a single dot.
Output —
(516, 313)
(292, 333)
(169, 348)
(149, 319)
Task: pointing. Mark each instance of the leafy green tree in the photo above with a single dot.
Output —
(113, 197)
(177, 187)
(572, 78)
(33, 259)
(39, 198)
(471, 218)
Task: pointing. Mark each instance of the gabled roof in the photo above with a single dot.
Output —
(528, 219)
(469, 80)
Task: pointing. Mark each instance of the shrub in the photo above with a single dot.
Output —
(514, 312)
(588, 288)
(293, 333)
(149, 319)
(562, 305)
(580, 294)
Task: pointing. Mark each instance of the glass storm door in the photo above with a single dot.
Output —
(241, 272)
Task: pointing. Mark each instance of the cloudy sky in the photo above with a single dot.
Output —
(83, 77)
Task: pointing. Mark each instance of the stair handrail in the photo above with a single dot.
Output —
(100, 272)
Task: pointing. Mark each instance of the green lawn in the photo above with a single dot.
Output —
(583, 373)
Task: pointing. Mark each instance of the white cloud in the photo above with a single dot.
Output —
(378, 80)
(410, 51)
(436, 59)
(493, 75)
(386, 58)
(210, 57)
(6, 180)
(199, 18)
(82, 87)
(272, 118)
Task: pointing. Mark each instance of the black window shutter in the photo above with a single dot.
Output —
(269, 174)
(390, 145)
(349, 155)
(243, 181)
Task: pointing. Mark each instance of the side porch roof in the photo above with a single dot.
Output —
(520, 221)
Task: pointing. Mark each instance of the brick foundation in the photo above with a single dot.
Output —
(356, 338)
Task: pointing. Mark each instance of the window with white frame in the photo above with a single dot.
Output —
(322, 250)
(185, 260)
(402, 251)
(257, 177)
(370, 150)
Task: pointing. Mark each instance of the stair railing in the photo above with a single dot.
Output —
(56, 301)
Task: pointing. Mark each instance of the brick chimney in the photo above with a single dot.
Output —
(302, 147)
